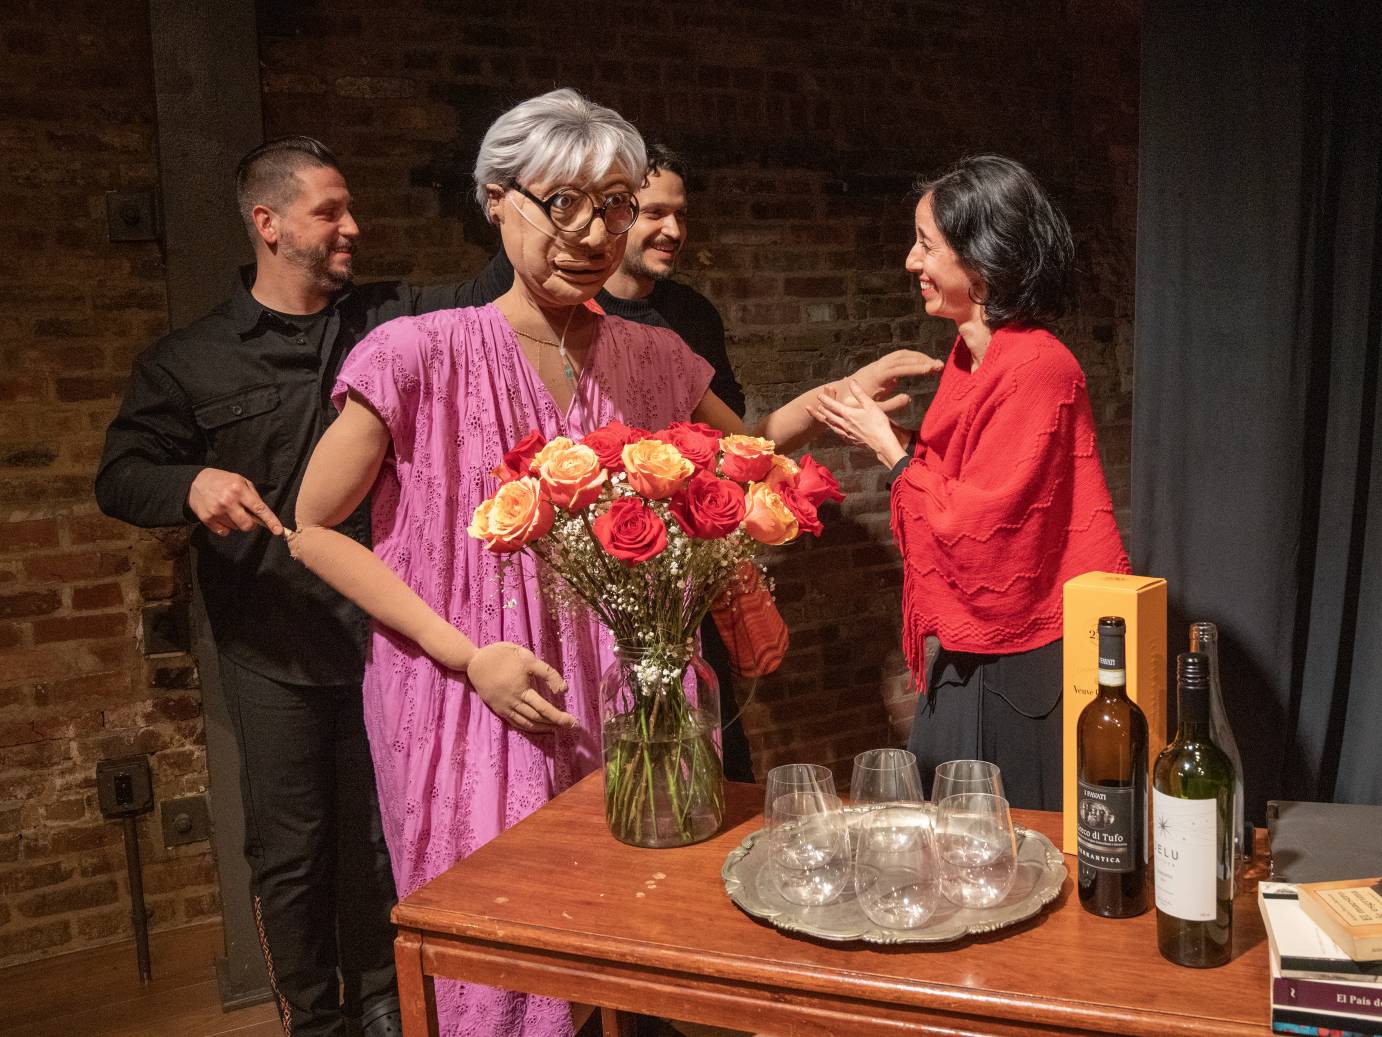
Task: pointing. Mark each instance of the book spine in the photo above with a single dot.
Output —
(1315, 1031)
(1314, 995)
(1330, 970)
(1330, 1023)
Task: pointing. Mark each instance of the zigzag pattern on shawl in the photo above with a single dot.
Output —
(1087, 450)
(918, 621)
(1029, 574)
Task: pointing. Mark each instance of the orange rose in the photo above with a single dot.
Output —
(746, 458)
(557, 446)
(656, 469)
(782, 473)
(513, 518)
(572, 477)
(768, 519)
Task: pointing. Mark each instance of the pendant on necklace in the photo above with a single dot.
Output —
(566, 370)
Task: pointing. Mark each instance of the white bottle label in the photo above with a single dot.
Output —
(1184, 834)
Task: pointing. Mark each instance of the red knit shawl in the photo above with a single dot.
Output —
(1003, 501)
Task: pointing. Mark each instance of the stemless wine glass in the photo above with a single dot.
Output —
(796, 777)
(896, 870)
(885, 776)
(808, 847)
(955, 777)
(978, 848)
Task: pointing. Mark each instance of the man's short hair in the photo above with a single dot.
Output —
(268, 175)
(661, 158)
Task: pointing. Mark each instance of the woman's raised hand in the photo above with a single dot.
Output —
(879, 379)
(507, 678)
(860, 420)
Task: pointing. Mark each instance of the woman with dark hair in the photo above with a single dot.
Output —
(999, 498)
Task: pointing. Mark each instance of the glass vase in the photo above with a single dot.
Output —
(660, 728)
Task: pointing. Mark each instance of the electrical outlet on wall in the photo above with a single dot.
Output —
(124, 786)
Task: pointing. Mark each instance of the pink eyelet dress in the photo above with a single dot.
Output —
(456, 392)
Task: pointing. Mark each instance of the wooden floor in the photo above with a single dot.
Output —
(97, 993)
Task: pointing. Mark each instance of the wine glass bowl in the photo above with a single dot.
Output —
(808, 848)
(788, 778)
(956, 777)
(896, 869)
(977, 847)
(885, 776)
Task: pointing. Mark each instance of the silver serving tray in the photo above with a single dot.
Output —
(1041, 872)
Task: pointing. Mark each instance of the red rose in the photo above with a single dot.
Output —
(802, 509)
(698, 442)
(609, 441)
(816, 483)
(631, 531)
(709, 508)
(518, 461)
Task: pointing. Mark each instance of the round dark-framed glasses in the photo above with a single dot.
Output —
(572, 210)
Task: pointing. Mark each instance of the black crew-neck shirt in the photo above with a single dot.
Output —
(672, 304)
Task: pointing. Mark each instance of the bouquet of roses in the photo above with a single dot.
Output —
(650, 530)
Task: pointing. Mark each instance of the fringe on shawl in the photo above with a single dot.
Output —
(913, 635)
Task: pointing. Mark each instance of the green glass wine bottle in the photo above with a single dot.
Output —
(1192, 804)
(1204, 638)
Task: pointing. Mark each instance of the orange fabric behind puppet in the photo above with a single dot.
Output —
(752, 628)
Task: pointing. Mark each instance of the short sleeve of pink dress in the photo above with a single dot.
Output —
(456, 392)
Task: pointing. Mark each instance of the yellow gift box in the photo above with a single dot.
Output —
(1141, 601)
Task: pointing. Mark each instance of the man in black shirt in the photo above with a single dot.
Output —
(643, 290)
(216, 428)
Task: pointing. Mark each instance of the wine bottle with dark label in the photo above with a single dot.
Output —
(1192, 813)
(1111, 766)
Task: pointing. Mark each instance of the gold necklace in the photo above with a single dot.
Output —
(534, 338)
(567, 367)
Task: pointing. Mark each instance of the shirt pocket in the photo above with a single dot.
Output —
(244, 435)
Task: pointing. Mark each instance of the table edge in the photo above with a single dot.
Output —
(838, 985)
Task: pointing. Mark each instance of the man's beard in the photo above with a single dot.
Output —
(316, 263)
(636, 265)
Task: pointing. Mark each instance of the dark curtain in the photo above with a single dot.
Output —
(1257, 453)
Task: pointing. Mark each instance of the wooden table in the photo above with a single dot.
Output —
(556, 906)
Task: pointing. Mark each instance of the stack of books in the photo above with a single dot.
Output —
(1317, 987)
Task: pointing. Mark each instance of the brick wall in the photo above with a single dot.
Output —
(805, 124)
(77, 120)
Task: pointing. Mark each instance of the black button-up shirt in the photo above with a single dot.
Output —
(243, 389)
